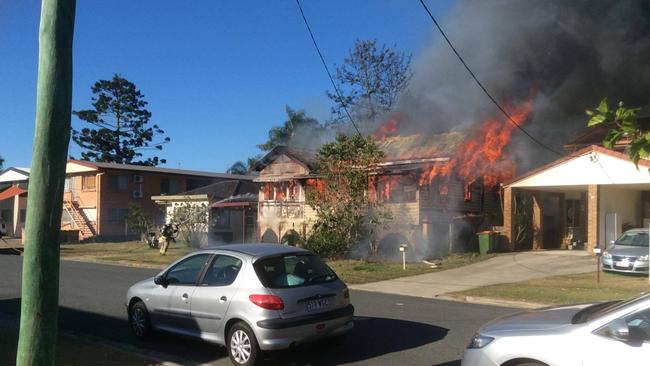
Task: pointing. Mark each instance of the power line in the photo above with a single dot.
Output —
(505, 113)
(322, 59)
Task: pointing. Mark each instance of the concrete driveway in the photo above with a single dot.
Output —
(504, 268)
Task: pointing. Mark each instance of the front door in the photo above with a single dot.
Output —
(214, 294)
(171, 303)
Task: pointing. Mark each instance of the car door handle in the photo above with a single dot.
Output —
(184, 297)
(223, 299)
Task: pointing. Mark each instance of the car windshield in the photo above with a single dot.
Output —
(636, 239)
(293, 270)
(603, 308)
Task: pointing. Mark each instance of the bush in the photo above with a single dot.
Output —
(327, 243)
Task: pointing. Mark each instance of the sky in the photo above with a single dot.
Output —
(216, 74)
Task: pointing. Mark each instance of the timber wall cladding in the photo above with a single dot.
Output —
(284, 166)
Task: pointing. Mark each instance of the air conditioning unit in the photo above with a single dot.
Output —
(138, 179)
(137, 194)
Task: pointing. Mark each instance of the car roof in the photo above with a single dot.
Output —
(637, 230)
(257, 250)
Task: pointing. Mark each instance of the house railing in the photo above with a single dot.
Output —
(285, 210)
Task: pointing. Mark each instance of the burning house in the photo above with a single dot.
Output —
(439, 188)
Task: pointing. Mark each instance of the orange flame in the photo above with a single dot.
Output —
(484, 154)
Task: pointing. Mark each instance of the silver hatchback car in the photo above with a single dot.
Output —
(247, 297)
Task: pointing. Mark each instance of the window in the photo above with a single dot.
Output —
(117, 215)
(168, 186)
(187, 271)
(88, 182)
(118, 183)
(293, 270)
(5, 215)
(23, 215)
(222, 271)
(221, 218)
(67, 184)
(639, 324)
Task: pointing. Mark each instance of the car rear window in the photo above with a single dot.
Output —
(293, 270)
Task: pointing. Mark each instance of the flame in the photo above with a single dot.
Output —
(483, 155)
(387, 129)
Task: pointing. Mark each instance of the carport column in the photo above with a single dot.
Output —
(16, 224)
(508, 212)
(563, 227)
(538, 226)
(593, 193)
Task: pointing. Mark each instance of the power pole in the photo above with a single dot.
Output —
(40, 289)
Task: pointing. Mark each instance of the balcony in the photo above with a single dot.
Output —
(285, 210)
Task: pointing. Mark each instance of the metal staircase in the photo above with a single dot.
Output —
(86, 228)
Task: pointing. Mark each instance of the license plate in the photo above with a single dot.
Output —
(317, 304)
(624, 263)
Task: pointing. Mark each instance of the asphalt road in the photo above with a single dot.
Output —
(389, 330)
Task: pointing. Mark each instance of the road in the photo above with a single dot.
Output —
(389, 330)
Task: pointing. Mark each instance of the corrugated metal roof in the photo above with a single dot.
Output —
(153, 169)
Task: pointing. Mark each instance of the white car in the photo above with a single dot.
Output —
(609, 333)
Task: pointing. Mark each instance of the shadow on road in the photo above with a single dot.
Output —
(370, 338)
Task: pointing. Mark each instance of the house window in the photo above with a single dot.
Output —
(88, 182)
(23, 215)
(118, 182)
(117, 215)
(168, 186)
(67, 184)
(5, 215)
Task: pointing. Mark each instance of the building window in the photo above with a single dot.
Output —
(117, 215)
(88, 182)
(194, 183)
(168, 186)
(67, 184)
(23, 215)
(5, 215)
(118, 183)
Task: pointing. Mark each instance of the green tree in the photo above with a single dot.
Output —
(138, 221)
(298, 124)
(623, 124)
(2, 161)
(239, 167)
(119, 128)
(344, 212)
(371, 80)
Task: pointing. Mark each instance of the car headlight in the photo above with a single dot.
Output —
(643, 258)
(606, 255)
(480, 341)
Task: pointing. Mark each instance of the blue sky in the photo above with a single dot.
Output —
(217, 74)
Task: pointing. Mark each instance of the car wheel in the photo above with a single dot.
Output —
(531, 364)
(243, 349)
(139, 320)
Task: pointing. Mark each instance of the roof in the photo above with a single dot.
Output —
(237, 201)
(258, 250)
(14, 174)
(159, 170)
(581, 154)
(308, 157)
(216, 191)
(418, 146)
(11, 192)
(596, 134)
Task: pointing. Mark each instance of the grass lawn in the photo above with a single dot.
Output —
(134, 253)
(566, 289)
(351, 271)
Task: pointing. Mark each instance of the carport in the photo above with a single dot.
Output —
(584, 200)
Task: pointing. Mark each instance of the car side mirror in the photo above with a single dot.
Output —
(160, 280)
(619, 330)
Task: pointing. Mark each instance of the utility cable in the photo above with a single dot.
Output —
(329, 74)
(505, 113)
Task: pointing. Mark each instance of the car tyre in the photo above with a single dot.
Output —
(139, 320)
(242, 345)
(531, 364)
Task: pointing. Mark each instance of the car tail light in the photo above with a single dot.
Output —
(269, 302)
(346, 293)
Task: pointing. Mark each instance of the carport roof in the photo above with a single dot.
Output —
(11, 192)
(591, 165)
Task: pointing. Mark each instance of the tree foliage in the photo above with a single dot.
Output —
(118, 125)
(138, 221)
(2, 161)
(624, 126)
(371, 80)
(296, 125)
(344, 212)
(238, 167)
(191, 219)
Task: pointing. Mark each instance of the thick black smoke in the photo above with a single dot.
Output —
(572, 53)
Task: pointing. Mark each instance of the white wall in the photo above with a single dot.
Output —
(626, 203)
